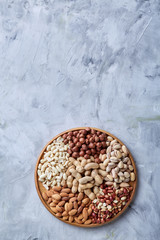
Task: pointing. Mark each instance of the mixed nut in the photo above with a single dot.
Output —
(87, 176)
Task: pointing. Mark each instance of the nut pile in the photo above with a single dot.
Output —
(87, 175)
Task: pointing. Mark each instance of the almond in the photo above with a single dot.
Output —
(66, 207)
(44, 195)
(78, 220)
(73, 199)
(54, 209)
(65, 218)
(49, 193)
(85, 213)
(72, 212)
(49, 200)
(66, 190)
(59, 209)
(65, 198)
(80, 216)
(56, 196)
(58, 214)
(64, 214)
(87, 222)
(55, 201)
(89, 211)
(75, 205)
(61, 203)
(71, 195)
(70, 219)
(85, 200)
(70, 205)
(64, 194)
(56, 188)
(52, 204)
(80, 209)
(80, 196)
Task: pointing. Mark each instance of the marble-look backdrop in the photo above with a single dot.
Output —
(78, 63)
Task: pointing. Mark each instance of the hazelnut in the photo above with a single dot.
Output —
(64, 136)
(81, 135)
(91, 145)
(78, 144)
(69, 137)
(86, 156)
(84, 147)
(93, 151)
(84, 132)
(101, 137)
(104, 145)
(88, 152)
(82, 140)
(75, 155)
(65, 141)
(97, 160)
(75, 149)
(96, 139)
(98, 133)
(71, 145)
(93, 131)
(103, 151)
(87, 141)
(82, 153)
(75, 140)
(91, 140)
(69, 151)
(70, 133)
(99, 145)
(88, 129)
(88, 136)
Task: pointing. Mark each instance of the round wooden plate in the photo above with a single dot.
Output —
(41, 189)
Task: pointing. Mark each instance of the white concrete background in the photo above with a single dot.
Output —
(65, 64)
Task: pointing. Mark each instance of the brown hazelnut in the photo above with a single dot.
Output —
(70, 133)
(87, 141)
(93, 151)
(75, 149)
(88, 129)
(78, 144)
(71, 145)
(88, 152)
(75, 133)
(99, 145)
(98, 133)
(64, 136)
(84, 147)
(103, 151)
(97, 160)
(98, 150)
(96, 155)
(91, 145)
(82, 153)
(96, 139)
(104, 145)
(75, 140)
(86, 156)
(75, 155)
(69, 151)
(82, 140)
(93, 131)
(84, 132)
(69, 137)
(88, 136)
(65, 141)
(91, 140)
(78, 135)
(81, 135)
(101, 137)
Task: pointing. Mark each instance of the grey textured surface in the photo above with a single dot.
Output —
(65, 64)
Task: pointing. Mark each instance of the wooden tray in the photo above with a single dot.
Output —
(41, 189)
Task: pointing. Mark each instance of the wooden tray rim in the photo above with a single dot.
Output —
(76, 224)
